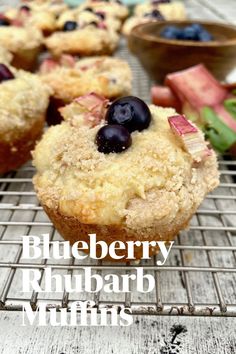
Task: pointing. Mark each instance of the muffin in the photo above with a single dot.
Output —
(70, 78)
(148, 12)
(23, 103)
(114, 8)
(56, 7)
(170, 10)
(86, 40)
(123, 171)
(25, 43)
(26, 15)
(88, 16)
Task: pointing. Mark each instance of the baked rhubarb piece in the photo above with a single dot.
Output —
(23, 103)
(205, 101)
(123, 170)
(70, 78)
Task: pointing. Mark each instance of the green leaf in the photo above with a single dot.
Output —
(230, 105)
(219, 134)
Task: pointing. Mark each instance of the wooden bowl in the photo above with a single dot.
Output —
(160, 56)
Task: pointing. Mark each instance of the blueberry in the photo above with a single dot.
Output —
(189, 34)
(101, 15)
(130, 112)
(157, 2)
(4, 22)
(25, 8)
(157, 15)
(113, 138)
(93, 23)
(70, 26)
(197, 27)
(170, 32)
(5, 73)
(205, 36)
(88, 9)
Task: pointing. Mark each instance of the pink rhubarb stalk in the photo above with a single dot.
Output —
(48, 65)
(67, 60)
(197, 86)
(191, 138)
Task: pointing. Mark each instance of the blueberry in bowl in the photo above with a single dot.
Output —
(165, 47)
(193, 32)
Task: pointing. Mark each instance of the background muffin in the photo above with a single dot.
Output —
(23, 104)
(111, 7)
(85, 41)
(170, 10)
(25, 44)
(151, 11)
(70, 78)
(26, 15)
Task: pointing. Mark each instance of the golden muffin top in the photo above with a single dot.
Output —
(84, 17)
(152, 180)
(16, 38)
(89, 40)
(70, 78)
(112, 7)
(171, 11)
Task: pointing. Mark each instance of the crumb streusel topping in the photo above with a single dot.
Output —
(149, 185)
(19, 38)
(86, 41)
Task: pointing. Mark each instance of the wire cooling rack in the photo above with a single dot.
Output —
(199, 277)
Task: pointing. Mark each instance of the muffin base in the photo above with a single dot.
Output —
(16, 152)
(72, 230)
(26, 59)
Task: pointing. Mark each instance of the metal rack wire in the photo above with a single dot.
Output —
(199, 278)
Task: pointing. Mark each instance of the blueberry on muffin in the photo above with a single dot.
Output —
(125, 171)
